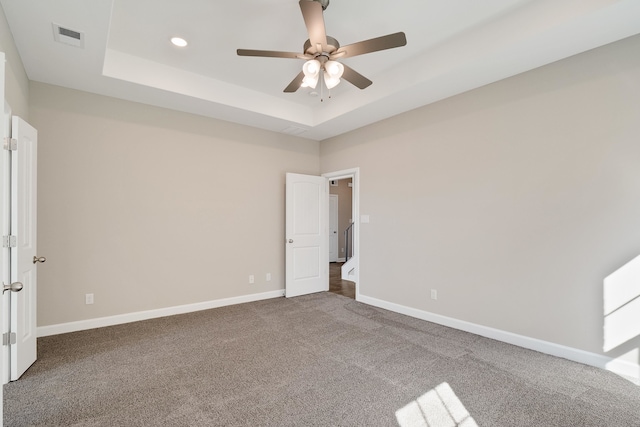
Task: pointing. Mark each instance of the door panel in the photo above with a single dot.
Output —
(307, 256)
(23, 226)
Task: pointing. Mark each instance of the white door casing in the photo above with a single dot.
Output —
(23, 226)
(307, 251)
(333, 227)
(354, 262)
(4, 220)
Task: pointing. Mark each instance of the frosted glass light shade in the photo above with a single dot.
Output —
(332, 72)
(334, 69)
(331, 82)
(310, 82)
(311, 68)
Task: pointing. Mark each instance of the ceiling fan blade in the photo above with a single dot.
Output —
(270, 54)
(372, 45)
(355, 78)
(314, 21)
(295, 83)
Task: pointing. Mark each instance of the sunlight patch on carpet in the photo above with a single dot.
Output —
(439, 407)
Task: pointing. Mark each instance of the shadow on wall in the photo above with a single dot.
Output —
(621, 294)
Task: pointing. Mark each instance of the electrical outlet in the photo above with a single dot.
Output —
(252, 279)
(88, 299)
(268, 277)
(434, 294)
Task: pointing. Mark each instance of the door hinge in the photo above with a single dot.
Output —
(10, 144)
(9, 242)
(9, 338)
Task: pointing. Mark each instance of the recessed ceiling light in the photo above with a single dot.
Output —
(179, 41)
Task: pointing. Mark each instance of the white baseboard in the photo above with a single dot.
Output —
(626, 369)
(100, 322)
(343, 259)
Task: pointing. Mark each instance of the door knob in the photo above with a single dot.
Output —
(14, 287)
(290, 240)
(39, 259)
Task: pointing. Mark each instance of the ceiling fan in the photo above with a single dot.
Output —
(321, 52)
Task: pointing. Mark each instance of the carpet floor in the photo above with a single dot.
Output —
(315, 360)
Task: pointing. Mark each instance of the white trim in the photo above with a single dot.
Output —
(354, 174)
(100, 322)
(343, 259)
(628, 370)
(335, 215)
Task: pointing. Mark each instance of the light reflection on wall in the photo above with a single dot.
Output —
(439, 407)
(622, 305)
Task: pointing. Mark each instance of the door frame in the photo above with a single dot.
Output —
(4, 220)
(354, 174)
(334, 215)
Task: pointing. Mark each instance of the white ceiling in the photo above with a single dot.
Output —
(452, 46)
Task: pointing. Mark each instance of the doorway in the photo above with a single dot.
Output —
(343, 266)
(307, 233)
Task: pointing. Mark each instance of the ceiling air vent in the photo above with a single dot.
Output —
(68, 36)
(293, 130)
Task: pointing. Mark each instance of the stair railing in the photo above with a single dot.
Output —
(348, 242)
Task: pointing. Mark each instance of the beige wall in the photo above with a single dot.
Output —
(149, 208)
(16, 81)
(514, 201)
(519, 199)
(345, 197)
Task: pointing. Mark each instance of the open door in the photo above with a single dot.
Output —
(307, 235)
(23, 253)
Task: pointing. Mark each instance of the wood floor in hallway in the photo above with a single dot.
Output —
(339, 286)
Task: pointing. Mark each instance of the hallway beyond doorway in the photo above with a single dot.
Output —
(337, 285)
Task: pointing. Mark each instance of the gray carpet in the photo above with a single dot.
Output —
(316, 360)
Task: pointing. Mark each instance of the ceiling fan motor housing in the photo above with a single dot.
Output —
(324, 3)
(332, 46)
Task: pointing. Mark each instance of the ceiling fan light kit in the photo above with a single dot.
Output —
(311, 70)
(321, 51)
(333, 70)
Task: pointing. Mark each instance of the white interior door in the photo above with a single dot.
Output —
(307, 251)
(23, 255)
(333, 227)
